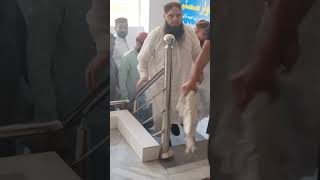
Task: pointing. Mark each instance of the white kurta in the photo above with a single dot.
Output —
(151, 60)
(120, 48)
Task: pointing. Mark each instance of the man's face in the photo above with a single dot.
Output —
(202, 34)
(122, 29)
(173, 23)
(138, 46)
(174, 17)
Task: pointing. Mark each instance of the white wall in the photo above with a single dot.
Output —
(156, 12)
(151, 16)
(144, 14)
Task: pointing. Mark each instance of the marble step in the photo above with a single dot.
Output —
(139, 139)
(181, 161)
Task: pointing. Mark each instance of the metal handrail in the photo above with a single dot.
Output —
(166, 152)
(148, 84)
(148, 120)
(116, 103)
(148, 101)
(156, 134)
(141, 90)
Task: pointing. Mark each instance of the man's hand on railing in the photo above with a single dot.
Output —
(141, 83)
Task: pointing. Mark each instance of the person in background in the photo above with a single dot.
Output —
(196, 77)
(128, 72)
(114, 73)
(121, 46)
(151, 60)
(129, 76)
(202, 29)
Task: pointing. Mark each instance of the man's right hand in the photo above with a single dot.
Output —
(191, 85)
(141, 83)
(188, 86)
(260, 75)
(255, 77)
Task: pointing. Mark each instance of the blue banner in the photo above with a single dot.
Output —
(195, 10)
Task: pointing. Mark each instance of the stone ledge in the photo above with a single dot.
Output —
(139, 139)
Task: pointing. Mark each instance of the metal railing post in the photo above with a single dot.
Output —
(166, 152)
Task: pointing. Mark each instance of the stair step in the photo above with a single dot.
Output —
(181, 158)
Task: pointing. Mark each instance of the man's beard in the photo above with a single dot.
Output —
(177, 31)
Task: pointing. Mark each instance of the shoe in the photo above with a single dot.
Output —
(175, 129)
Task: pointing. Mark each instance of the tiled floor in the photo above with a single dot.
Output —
(200, 134)
(125, 165)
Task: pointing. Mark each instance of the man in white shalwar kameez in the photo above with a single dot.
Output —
(186, 48)
(121, 46)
